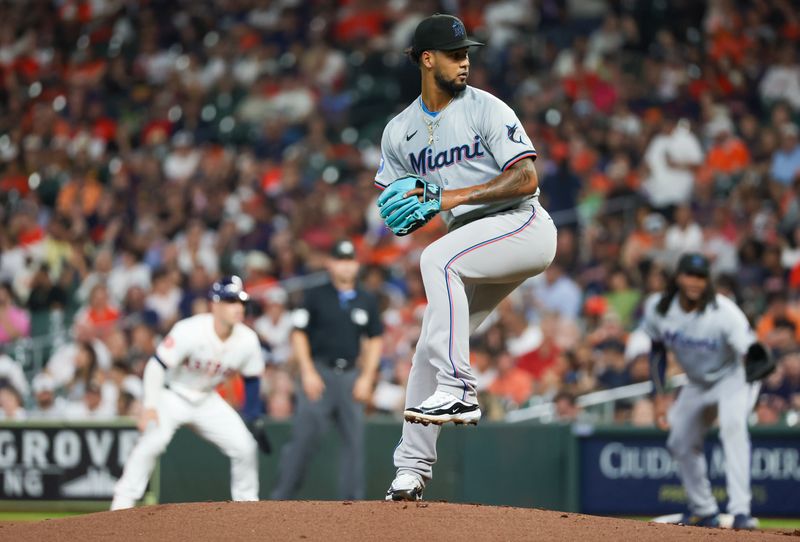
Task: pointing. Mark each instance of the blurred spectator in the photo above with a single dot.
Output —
(728, 154)
(48, 406)
(135, 310)
(612, 369)
(194, 293)
(274, 327)
(544, 358)
(99, 316)
(621, 297)
(130, 271)
(482, 361)
(14, 321)
(646, 243)
(512, 385)
(164, 299)
(782, 79)
(196, 248)
(555, 292)
(785, 164)
(642, 414)
(671, 158)
(683, 235)
(566, 409)
(91, 405)
(65, 361)
(11, 408)
(12, 375)
(390, 395)
(561, 187)
(44, 294)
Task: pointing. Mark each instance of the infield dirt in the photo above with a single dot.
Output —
(354, 521)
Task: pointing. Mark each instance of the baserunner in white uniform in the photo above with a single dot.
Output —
(709, 337)
(473, 147)
(179, 389)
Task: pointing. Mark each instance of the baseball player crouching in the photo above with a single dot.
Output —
(713, 342)
(179, 389)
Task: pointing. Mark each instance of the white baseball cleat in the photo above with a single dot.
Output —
(442, 407)
(122, 503)
(405, 487)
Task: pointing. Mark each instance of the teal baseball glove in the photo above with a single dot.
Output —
(404, 215)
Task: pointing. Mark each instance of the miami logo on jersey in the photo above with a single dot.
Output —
(676, 339)
(512, 134)
(425, 161)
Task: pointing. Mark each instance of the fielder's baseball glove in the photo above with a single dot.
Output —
(758, 363)
(259, 432)
(404, 214)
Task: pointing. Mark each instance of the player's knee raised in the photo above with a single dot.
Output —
(431, 260)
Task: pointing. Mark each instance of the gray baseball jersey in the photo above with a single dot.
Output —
(472, 140)
(489, 251)
(709, 345)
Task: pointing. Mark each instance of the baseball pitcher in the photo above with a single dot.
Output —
(179, 389)
(461, 152)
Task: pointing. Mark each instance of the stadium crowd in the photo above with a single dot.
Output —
(146, 147)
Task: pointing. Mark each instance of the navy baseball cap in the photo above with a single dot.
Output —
(441, 32)
(344, 250)
(693, 263)
(228, 288)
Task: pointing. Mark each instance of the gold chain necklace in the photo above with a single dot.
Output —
(434, 123)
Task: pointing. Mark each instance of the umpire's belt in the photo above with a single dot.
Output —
(341, 364)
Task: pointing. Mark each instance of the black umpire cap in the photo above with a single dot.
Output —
(441, 32)
(344, 250)
(693, 263)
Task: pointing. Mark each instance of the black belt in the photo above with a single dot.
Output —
(341, 364)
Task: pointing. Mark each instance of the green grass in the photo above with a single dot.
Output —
(34, 516)
(764, 523)
(780, 523)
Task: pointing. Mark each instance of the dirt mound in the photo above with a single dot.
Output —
(352, 521)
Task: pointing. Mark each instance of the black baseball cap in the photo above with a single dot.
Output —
(228, 288)
(441, 32)
(693, 263)
(344, 250)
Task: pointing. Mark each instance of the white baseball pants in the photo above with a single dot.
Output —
(213, 419)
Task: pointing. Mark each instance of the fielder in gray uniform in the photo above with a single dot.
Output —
(709, 337)
(470, 148)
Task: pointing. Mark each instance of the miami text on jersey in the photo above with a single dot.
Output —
(425, 161)
(676, 339)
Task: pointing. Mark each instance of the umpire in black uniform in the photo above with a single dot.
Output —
(337, 343)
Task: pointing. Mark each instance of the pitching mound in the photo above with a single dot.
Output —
(352, 521)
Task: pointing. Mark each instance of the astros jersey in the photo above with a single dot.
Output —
(708, 345)
(197, 360)
(471, 141)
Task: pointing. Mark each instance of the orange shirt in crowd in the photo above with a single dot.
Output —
(87, 196)
(106, 316)
(515, 384)
(766, 324)
(729, 157)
